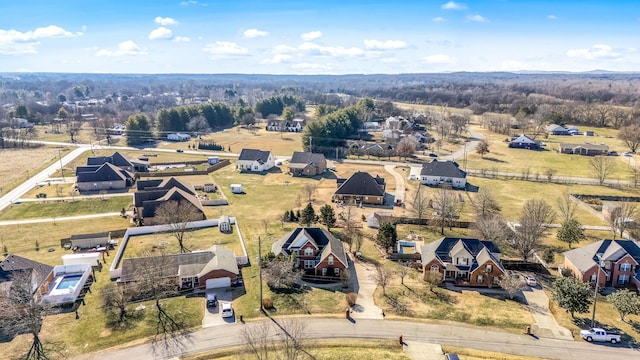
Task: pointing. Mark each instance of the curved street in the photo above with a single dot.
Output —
(413, 332)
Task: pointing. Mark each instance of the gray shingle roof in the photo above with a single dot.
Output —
(584, 258)
(481, 250)
(442, 168)
(305, 158)
(106, 172)
(326, 242)
(254, 155)
(361, 183)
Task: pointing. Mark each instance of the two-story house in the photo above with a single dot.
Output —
(314, 250)
(617, 261)
(471, 262)
(255, 160)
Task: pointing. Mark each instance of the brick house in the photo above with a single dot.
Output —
(315, 251)
(360, 188)
(619, 262)
(469, 262)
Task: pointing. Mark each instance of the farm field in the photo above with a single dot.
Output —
(16, 165)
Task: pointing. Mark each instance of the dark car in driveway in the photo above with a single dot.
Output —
(212, 300)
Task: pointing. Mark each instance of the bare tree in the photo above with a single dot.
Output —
(567, 207)
(482, 148)
(199, 125)
(630, 134)
(621, 216)
(601, 167)
(403, 270)
(406, 146)
(279, 273)
(309, 189)
(115, 301)
(420, 204)
(447, 206)
(256, 337)
(293, 331)
(262, 341)
(532, 227)
(492, 228)
(23, 313)
(485, 203)
(178, 215)
(382, 278)
(511, 284)
(433, 279)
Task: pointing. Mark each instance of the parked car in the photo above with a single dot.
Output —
(598, 334)
(433, 155)
(180, 150)
(530, 280)
(227, 310)
(626, 154)
(613, 153)
(452, 356)
(212, 300)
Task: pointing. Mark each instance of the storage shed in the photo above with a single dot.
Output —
(236, 188)
(213, 160)
(224, 224)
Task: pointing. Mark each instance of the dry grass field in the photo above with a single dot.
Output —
(16, 165)
(200, 239)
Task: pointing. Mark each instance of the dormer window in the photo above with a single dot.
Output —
(330, 260)
(625, 267)
(308, 251)
(489, 268)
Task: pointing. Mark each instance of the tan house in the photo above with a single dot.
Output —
(307, 164)
(584, 149)
(469, 262)
(617, 261)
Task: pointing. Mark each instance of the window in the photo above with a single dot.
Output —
(336, 272)
(308, 264)
(434, 268)
(593, 278)
(489, 268)
(296, 252)
(480, 279)
(625, 267)
(324, 271)
(623, 279)
(330, 260)
(308, 251)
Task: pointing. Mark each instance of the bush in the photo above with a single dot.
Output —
(548, 255)
(351, 298)
(267, 303)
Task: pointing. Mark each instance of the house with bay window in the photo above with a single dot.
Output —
(613, 263)
(314, 250)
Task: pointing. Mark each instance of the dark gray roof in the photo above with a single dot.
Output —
(325, 241)
(150, 200)
(106, 172)
(14, 263)
(361, 183)
(118, 159)
(442, 168)
(587, 146)
(105, 235)
(165, 184)
(254, 155)
(306, 158)
(441, 250)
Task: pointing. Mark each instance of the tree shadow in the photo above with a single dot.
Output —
(494, 160)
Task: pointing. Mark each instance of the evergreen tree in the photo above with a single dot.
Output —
(308, 215)
(570, 232)
(387, 236)
(572, 295)
(327, 216)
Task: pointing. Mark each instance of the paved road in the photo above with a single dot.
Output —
(56, 219)
(455, 335)
(29, 184)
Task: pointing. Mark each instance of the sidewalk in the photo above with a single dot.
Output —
(423, 351)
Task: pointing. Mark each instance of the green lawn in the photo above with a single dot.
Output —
(200, 239)
(49, 209)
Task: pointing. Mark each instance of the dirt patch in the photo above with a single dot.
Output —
(18, 164)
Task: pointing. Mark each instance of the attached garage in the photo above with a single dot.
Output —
(223, 282)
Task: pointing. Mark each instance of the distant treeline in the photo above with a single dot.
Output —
(177, 118)
(275, 105)
(209, 145)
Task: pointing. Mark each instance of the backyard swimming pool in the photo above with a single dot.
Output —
(66, 283)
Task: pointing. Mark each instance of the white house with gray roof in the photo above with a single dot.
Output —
(439, 172)
(255, 160)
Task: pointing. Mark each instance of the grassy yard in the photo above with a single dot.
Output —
(49, 209)
(415, 300)
(330, 350)
(473, 354)
(17, 165)
(200, 239)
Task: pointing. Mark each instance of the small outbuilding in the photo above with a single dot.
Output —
(236, 188)
(224, 224)
(213, 160)
(210, 187)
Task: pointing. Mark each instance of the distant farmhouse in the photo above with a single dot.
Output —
(525, 142)
(178, 137)
(295, 125)
(584, 149)
(555, 129)
(307, 164)
(255, 160)
(447, 172)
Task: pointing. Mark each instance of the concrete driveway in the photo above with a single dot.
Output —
(545, 324)
(212, 315)
(400, 185)
(364, 284)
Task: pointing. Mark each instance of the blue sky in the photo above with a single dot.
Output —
(317, 37)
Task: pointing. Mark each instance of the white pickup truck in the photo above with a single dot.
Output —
(598, 334)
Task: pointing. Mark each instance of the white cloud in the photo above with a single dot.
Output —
(384, 45)
(167, 21)
(453, 6)
(439, 19)
(13, 42)
(594, 52)
(125, 48)
(224, 49)
(277, 59)
(160, 33)
(477, 18)
(189, 2)
(552, 17)
(181, 39)
(315, 49)
(254, 33)
(311, 35)
(389, 60)
(437, 59)
(283, 49)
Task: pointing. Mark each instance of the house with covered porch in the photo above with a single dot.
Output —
(469, 262)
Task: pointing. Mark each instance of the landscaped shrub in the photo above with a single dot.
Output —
(209, 145)
(351, 298)
(267, 303)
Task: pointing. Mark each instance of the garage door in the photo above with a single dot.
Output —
(218, 283)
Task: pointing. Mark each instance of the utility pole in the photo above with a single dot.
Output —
(310, 148)
(595, 295)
